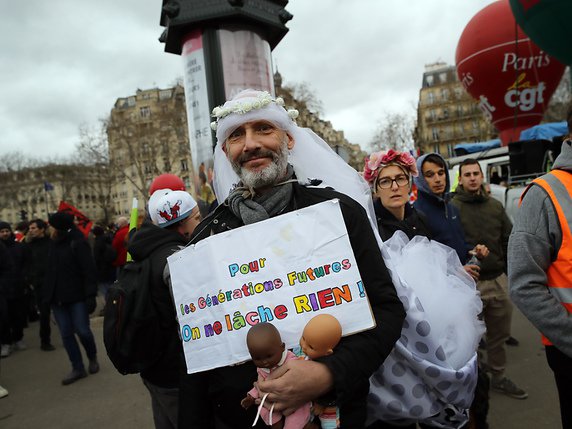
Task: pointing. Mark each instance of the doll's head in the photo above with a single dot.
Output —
(265, 345)
(321, 334)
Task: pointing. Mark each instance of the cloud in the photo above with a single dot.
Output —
(66, 62)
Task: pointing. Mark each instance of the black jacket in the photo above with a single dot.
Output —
(157, 244)
(38, 249)
(15, 280)
(356, 357)
(413, 223)
(5, 273)
(104, 254)
(71, 275)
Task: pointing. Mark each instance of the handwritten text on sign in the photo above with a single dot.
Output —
(284, 270)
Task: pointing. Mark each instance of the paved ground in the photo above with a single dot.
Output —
(110, 400)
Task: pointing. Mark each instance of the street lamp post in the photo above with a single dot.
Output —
(226, 47)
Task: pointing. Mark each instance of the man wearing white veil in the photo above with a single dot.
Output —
(264, 164)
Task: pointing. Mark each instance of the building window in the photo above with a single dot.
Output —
(435, 133)
(447, 133)
(164, 94)
(443, 77)
(184, 165)
(131, 101)
(187, 182)
(458, 92)
(145, 111)
(444, 94)
(445, 113)
(430, 97)
(429, 79)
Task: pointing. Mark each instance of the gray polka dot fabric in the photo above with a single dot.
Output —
(431, 373)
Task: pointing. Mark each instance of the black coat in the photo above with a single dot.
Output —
(413, 223)
(356, 357)
(38, 250)
(15, 285)
(71, 275)
(157, 244)
(5, 272)
(104, 254)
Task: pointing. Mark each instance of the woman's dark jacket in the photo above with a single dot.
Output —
(356, 357)
(156, 244)
(413, 223)
(104, 254)
(71, 275)
(15, 282)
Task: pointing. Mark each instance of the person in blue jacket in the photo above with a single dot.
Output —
(433, 200)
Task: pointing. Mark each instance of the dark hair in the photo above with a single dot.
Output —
(202, 176)
(40, 223)
(97, 230)
(22, 226)
(435, 159)
(469, 161)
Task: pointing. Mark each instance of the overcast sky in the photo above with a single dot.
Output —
(63, 63)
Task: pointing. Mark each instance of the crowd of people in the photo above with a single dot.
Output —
(53, 270)
(265, 166)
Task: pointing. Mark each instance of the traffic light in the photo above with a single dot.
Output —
(23, 215)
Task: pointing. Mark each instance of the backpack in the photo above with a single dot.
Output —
(131, 327)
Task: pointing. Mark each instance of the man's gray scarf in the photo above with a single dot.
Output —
(251, 208)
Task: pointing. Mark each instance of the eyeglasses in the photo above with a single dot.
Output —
(387, 182)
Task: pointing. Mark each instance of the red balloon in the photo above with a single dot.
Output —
(167, 181)
(511, 77)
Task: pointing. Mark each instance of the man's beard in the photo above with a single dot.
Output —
(269, 175)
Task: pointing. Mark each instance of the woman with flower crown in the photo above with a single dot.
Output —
(441, 329)
(390, 175)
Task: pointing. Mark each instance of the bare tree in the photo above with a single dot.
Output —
(151, 142)
(304, 93)
(17, 161)
(92, 151)
(394, 131)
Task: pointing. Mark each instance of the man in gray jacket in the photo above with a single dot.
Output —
(540, 267)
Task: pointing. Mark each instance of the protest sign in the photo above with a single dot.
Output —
(283, 270)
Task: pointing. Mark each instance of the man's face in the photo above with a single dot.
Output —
(258, 153)
(34, 231)
(188, 225)
(5, 234)
(471, 178)
(436, 177)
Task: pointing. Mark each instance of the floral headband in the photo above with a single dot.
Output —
(378, 160)
(242, 107)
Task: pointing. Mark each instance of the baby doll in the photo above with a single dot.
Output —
(268, 353)
(321, 334)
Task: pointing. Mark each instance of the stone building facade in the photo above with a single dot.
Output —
(147, 135)
(447, 114)
(25, 190)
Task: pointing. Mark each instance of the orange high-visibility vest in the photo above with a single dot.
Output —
(558, 185)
